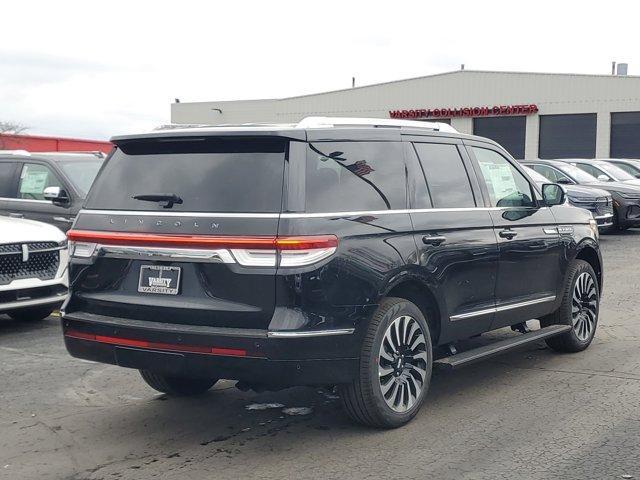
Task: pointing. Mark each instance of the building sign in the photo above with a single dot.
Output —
(496, 110)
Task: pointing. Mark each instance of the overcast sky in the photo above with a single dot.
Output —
(95, 69)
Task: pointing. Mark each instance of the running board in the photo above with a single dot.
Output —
(471, 356)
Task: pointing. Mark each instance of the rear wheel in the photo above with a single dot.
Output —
(179, 386)
(31, 314)
(579, 308)
(395, 367)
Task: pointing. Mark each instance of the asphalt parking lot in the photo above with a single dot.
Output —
(531, 414)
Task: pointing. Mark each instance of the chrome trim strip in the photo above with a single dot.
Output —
(294, 215)
(319, 333)
(476, 313)
(35, 301)
(52, 249)
(387, 212)
(178, 214)
(502, 308)
(160, 253)
(29, 200)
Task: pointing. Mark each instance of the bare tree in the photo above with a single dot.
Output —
(10, 128)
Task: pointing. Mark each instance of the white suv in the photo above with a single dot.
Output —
(33, 268)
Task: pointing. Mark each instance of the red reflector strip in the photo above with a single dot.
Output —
(160, 240)
(204, 241)
(130, 342)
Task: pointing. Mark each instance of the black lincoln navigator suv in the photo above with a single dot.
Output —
(332, 252)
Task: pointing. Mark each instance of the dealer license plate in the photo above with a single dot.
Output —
(159, 279)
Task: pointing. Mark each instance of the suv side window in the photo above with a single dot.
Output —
(627, 168)
(591, 170)
(355, 176)
(507, 186)
(34, 178)
(7, 171)
(551, 174)
(446, 176)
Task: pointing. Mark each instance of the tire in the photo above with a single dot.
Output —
(31, 314)
(580, 278)
(177, 386)
(405, 378)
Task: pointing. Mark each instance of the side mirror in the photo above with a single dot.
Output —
(603, 178)
(553, 194)
(56, 195)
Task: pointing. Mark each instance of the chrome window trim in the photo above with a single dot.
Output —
(502, 308)
(146, 213)
(292, 215)
(318, 333)
(29, 200)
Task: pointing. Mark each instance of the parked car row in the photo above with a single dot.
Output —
(40, 196)
(599, 202)
(605, 175)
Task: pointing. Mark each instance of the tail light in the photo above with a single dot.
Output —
(254, 251)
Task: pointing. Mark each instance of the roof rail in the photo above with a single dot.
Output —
(14, 152)
(96, 153)
(327, 122)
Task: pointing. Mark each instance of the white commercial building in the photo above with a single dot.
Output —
(533, 115)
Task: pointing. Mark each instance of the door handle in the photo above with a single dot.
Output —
(63, 219)
(434, 240)
(508, 234)
(16, 215)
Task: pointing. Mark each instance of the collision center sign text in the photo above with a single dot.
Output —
(496, 110)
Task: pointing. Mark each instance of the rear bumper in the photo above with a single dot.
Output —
(236, 354)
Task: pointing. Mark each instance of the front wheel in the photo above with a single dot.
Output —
(178, 386)
(395, 367)
(579, 308)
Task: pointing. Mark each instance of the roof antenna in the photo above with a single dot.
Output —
(353, 82)
(462, 66)
(177, 100)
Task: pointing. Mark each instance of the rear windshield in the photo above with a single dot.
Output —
(206, 174)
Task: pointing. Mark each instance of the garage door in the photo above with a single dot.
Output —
(507, 131)
(568, 136)
(625, 135)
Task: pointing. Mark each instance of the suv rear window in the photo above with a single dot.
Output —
(355, 176)
(209, 174)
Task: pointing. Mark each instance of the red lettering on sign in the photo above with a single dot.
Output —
(482, 111)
